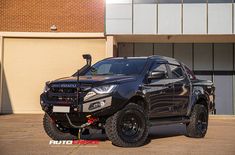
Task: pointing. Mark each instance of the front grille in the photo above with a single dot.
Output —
(67, 95)
(64, 90)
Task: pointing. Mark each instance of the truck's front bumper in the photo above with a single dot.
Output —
(92, 106)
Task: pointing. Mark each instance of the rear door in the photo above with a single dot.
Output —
(181, 86)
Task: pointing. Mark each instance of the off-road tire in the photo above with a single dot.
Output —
(113, 125)
(193, 129)
(53, 132)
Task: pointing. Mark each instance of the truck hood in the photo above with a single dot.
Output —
(94, 79)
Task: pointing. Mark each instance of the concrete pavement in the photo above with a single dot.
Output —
(24, 134)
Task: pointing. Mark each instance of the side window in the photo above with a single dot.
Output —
(176, 71)
(159, 67)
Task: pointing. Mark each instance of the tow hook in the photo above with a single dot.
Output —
(90, 120)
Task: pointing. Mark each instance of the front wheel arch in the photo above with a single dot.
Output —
(115, 134)
(200, 99)
(139, 100)
(197, 127)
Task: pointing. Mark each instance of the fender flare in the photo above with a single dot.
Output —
(196, 98)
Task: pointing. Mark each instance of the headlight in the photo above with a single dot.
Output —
(46, 88)
(89, 95)
(106, 89)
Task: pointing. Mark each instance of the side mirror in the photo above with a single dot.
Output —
(157, 74)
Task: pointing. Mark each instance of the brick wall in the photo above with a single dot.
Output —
(39, 15)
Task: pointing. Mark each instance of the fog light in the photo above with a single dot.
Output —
(96, 105)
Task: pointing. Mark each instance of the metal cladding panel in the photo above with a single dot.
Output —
(194, 18)
(125, 49)
(119, 18)
(203, 57)
(169, 18)
(163, 49)
(223, 57)
(114, 26)
(183, 52)
(224, 94)
(145, 18)
(116, 11)
(220, 18)
(143, 49)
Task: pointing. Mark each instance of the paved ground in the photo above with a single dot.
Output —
(23, 134)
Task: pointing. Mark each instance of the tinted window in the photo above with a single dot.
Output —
(117, 67)
(176, 71)
(159, 67)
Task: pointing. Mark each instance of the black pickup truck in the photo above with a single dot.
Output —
(124, 96)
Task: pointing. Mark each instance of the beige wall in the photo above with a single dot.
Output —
(30, 62)
(1, 47)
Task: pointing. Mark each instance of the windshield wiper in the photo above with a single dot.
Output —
(106, 74)
(109, 74)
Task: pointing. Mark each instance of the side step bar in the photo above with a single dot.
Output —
(168, 120)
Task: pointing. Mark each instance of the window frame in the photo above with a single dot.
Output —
(160, 63)
(171, 74)
(190, 73)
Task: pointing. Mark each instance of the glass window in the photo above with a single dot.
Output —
(117, 67)
(159, 67)
(176, 71)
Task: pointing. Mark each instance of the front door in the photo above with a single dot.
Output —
(181, 86)
(160, 93)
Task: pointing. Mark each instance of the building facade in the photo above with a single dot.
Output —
(45, 40)
(42, 41)
(200, 33)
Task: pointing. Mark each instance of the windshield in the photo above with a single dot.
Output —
(117, 67)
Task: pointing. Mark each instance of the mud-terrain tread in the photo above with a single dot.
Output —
(53, 132)
(191, 128)
(112, 132)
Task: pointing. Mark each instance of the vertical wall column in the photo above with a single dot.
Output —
(233, 93)
(110, 45)
(1, 70)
